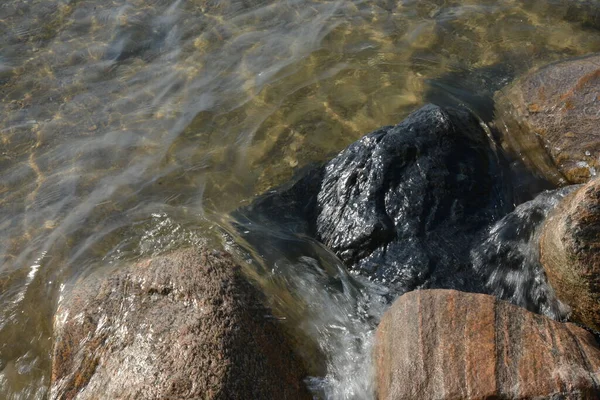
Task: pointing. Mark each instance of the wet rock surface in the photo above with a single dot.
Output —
(403, 205)
(508, 259)
(549, 118)
(444, 344)
(570, 253)
(186, 325)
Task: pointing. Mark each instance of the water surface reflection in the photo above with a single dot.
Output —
(132, 126)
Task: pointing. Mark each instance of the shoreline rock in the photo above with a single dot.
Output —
(570, 253)
(402, 206)
(549, 118)
(444, 344)
(185, 325)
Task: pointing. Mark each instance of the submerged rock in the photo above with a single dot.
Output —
(185, 325)
(444, 344)
(584, 12)
(550, 119)
(508, 259)
(402, 205)
(570, 253)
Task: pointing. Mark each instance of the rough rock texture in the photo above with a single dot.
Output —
(550, 119)
(508, 259)
(181, 326)
(444, 344)
(570, 253)
(402, 205)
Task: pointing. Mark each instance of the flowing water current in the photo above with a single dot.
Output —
(132, 127)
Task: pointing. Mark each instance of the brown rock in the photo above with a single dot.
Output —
(550, 119)
(444, 344)
(181, 326)
(570, 253)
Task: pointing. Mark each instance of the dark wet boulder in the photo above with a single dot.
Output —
(402, 205)
(570, 253)
(508, 258)
(549, 118)
(186, 325)
(444, 344)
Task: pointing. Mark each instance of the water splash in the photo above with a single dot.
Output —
(342, 323)
(509, 257)
(324, 307)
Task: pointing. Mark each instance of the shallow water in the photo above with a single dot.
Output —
(132, 127)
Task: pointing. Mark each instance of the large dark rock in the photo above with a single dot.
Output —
(403, 205)
(549, 118)
(181, 326)
(508, 258)
(570, 253)
(444, 344)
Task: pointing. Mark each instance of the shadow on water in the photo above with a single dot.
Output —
(474, 90)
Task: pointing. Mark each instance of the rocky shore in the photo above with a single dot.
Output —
(484, 296)
(186, 325)
(445, 344)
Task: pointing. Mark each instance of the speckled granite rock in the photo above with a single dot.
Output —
(185, 325)
(570, 253)
(550, 118)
